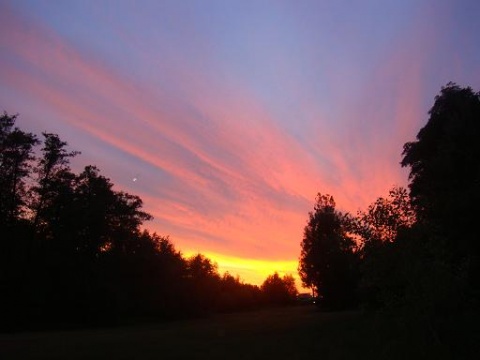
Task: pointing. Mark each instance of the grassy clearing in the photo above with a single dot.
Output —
(283, 333)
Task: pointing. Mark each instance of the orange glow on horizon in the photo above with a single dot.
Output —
(253, 271)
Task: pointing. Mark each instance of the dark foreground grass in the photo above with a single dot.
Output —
(283, 333)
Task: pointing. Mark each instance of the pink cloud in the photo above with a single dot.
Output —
(240, 184)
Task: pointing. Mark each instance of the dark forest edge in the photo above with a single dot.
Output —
(73, 252)
(414, 255)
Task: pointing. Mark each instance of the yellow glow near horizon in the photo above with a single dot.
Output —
(253, 271)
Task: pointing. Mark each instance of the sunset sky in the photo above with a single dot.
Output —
(232, 115)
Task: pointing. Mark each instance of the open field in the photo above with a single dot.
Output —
(283, 333)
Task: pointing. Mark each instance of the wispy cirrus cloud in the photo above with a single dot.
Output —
(230, 139)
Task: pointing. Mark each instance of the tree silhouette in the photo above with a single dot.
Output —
(385, 218)
(378, 229)
(106, 219)
(328, 260)
(54, 180)
(445, 175)
(204, 282)
(279, 290)
(16, 155)
(420, 254)
(236, 295)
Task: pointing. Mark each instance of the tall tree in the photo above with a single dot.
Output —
(445, 174)
(53, 177)
(94, 204)
(16, 156)
(328, 259)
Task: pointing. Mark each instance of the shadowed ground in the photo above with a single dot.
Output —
(283, 333)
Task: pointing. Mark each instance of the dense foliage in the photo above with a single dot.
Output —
(328, 259)
(445, 175)
(73, 252)
(279, 290)
(418, 250)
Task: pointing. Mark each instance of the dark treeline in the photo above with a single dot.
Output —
(416, 252)
(72, 250)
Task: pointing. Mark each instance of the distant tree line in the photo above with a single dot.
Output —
(416, 252)
(72, 250)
